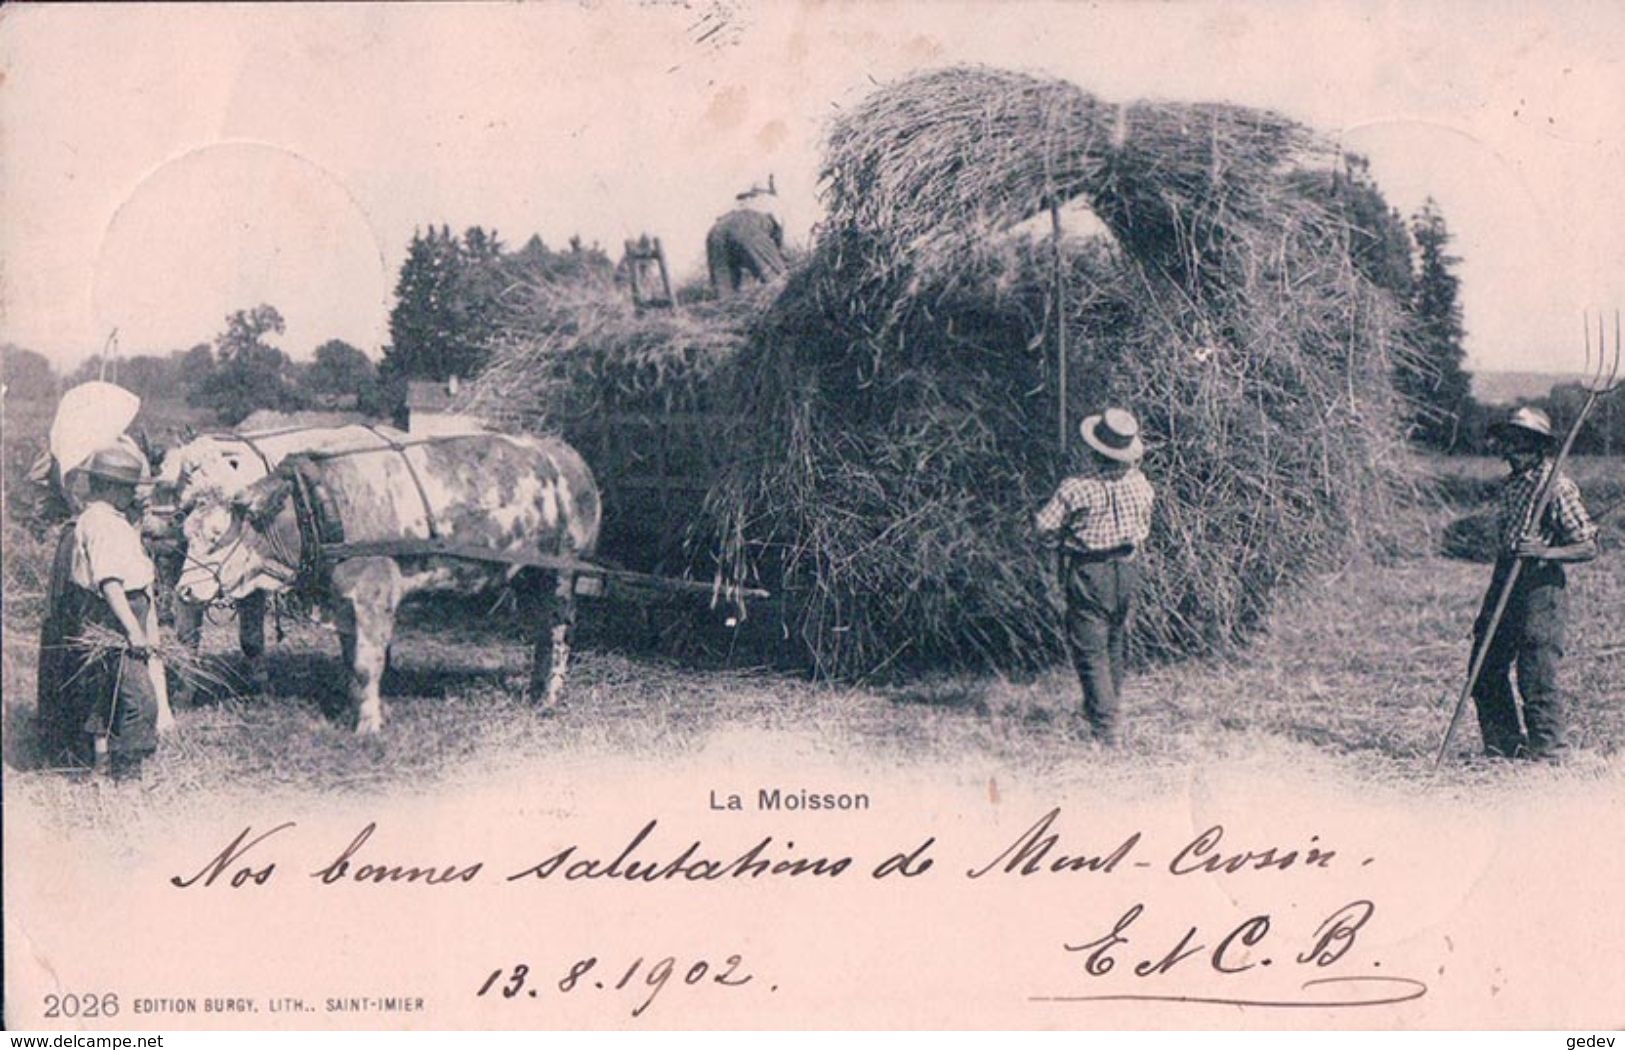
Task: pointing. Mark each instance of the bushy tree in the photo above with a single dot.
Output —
(450, 294)
(27, 375)
(251, 373)
(481, 283)
(92, 368)
(1605, 434)
(1602, 435)
(339, 373)
(1604, 431)
(153, 377)
(422, 324)
(1412, 263)
(149, 375)
(1381, 247)
(193, 368)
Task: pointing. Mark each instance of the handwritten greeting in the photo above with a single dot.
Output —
(1307, 961)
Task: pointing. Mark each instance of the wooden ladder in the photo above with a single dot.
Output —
(645, 260)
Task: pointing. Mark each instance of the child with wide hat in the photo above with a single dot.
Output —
(97, 702)
(1097, 522)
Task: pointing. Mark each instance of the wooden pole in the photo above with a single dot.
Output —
(1059, 313)
(665, 275)
(1538, 512)
(632, 268)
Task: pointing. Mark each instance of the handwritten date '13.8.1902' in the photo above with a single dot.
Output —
(1234, 952)
(1294, 953)
(520, 982)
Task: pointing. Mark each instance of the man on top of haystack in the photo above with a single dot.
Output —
(747, 240)
(1098, 520)
(1531, 630)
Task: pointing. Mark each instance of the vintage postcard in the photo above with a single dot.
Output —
(749, 515)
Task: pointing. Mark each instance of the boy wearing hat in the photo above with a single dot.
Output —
(1098, 520)
(98, 706)
(1530, 634)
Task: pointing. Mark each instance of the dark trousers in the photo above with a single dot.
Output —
(1530, 639)
(1100, 598)
(87, 692)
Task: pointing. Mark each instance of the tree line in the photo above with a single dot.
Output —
(1412, 261)
(448, 297)
(451, 290)
(237, 373)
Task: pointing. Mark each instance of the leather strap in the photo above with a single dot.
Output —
(423, 493)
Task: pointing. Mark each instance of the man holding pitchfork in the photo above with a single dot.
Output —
(1530, 634)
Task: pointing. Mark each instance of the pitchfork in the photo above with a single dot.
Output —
(1600, 384)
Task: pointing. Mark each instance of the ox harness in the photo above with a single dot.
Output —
(322, 543)
(253, 439)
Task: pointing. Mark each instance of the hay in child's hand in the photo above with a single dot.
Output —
(208, 671)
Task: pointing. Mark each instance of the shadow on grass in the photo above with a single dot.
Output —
(21, 749)
(323, 677)
(946, 694)
(436, 682)
(1323, 737)
(688, 634)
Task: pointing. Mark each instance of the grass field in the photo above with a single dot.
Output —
(1354, 678)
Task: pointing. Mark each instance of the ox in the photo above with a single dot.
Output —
(219, 467)
(491, 494)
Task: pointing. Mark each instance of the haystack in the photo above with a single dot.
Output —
(903, 393)
(892, 411)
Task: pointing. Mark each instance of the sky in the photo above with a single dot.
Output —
(162, 166)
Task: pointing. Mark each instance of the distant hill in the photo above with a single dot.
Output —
(1504, 388)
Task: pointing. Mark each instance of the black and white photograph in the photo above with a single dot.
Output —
(741, 514)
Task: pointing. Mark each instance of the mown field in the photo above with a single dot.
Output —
(1354, 677)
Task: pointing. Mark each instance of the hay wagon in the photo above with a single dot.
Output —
(646, 397)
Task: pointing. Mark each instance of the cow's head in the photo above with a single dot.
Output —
(209, 468)
(235, 547)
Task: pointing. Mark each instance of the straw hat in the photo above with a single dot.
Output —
(1114, 434)
(114, 463)
(1526, 420)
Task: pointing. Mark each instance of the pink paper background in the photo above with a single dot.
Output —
(1502, 898)
(1501, 903)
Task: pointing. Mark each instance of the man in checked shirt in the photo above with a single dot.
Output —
(1098, 520)
(1530, 635)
